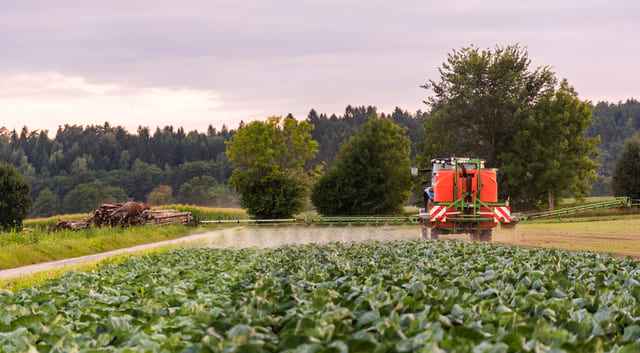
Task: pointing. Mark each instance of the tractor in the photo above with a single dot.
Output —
(462, 198)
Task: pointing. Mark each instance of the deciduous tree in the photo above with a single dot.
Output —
(161, 195)
(274, 166)
(205, 191)
(478, 103)
(491, 105)
(550, 156)
(626, 173)
(370, 175)
(14, 197)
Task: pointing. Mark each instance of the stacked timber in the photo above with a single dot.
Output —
(126, 215)
(72, 224)
(117, 214)
(162, 217)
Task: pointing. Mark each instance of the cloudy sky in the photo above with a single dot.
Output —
(195, 63)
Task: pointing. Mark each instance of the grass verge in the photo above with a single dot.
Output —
(17, 283)
(38, 243)
(31, 247)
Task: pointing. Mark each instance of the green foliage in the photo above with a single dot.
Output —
(14, 197)
(274, 166)
(331, 132)
(161, 195)
(626, 174)
(397, 297)
(550, 157)
(490, 105)
(478, 104)
(135, 162)
(370, 175)
(274, 197)
(615, 123)
(205, 191)
(46, 205)
(139, 162)
(87, 197)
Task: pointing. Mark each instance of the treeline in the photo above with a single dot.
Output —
(105, 162)
(332, 131)
(76, 148)
(615, 123)
(80, 166)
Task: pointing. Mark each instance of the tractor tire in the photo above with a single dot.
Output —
(424, 232)
(475, 235)
(429, 233)
(485, 235)
(435, 233)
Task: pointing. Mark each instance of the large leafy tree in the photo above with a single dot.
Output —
(550, 156)
(370, 175)
(626, 173)
(274, 166)
(478, 103)
(14, 196)
(485, 99)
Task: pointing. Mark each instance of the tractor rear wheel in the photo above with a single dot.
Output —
(485, 235)
(429, 233)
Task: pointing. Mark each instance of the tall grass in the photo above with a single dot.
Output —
(38, 242)
(43, 223)
(31, 279)
(32, 247)
(209, 213)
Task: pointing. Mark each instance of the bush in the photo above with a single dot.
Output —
(14, 197)
(626, 173)
(370, 175)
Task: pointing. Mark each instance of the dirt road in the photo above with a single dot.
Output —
(21, 271)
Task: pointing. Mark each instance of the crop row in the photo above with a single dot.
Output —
(402, 296)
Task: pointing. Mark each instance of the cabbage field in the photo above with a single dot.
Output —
(373, 296)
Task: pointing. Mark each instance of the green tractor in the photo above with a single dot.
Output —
(462, 198)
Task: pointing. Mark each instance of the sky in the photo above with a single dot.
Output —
(200, 63)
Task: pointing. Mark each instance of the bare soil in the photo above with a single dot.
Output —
(618, 237)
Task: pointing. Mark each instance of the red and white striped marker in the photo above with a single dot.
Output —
(437, 212)
(502, 214)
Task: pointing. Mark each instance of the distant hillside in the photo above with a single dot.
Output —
(115, 162)
(614, 123)
(103, 162)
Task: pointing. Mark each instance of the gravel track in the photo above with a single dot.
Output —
(21, 271)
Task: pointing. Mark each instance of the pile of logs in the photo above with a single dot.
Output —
(118, 214)
(162, 217)
(125, 215)
(73, 224)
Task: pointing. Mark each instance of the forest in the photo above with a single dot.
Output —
(615, 123)
(80, 167)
